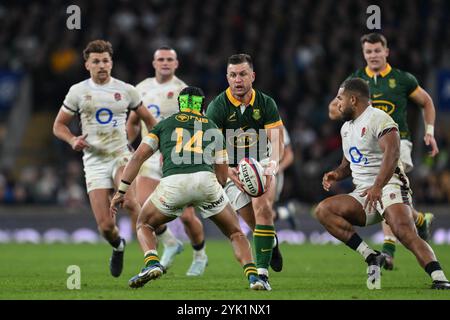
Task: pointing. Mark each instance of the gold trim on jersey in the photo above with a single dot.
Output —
(153, 136)
(235, 101)
(273, 125)
(383, 72)
(414, 91)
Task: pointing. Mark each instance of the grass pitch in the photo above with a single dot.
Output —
(310, 272)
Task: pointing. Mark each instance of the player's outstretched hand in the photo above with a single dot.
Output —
(430, 142)
(116, 200)
(373, 196)
(79, 143)
(328, 180)
(233, 175)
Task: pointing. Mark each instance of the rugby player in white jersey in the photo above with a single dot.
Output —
(102, 103)
(371, 146)
(159, 95)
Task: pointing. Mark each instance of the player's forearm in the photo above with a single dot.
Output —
(62, 132)
(287, 160)
(342, 172)
(388, 165)
(429, 115)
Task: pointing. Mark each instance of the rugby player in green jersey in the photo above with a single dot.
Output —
(194, 170)
(252, 126)
(390, 90)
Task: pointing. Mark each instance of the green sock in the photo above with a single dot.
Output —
(420, 220)
(388, 247)
(250, 270)
(151, 258)
(263, 238)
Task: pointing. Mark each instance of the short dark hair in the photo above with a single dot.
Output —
(374, 38)
(98, 46)
(241, 58)
(357, 85)
(165, 47)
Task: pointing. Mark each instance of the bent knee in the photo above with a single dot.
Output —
(106, 226)
(322, 211)
(237, 235)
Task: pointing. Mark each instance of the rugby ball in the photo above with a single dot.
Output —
(251, 174)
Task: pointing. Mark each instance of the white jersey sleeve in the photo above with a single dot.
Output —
(70, 104)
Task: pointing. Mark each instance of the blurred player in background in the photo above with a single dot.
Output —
(160, 95)
(189, 183)
(253, 118)
(371, 147)
(102, 103)
(286, 161)
(390, 90)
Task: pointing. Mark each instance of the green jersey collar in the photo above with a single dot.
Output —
(235, 101)
(383, 73)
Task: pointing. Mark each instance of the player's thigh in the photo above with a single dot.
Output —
(248, 215)
(344, 206)
(227, 221)
(399, 217)
(144, 188)
(405, 155)
(188, 216)
(99, 200)
(152, 216)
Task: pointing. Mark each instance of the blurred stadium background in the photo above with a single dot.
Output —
(302, 51)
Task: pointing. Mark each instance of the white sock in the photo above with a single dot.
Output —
(167, 238)
(365, 250)
(438, 275)
(150, 252)
(120, 247)
(263, 271)
(200, 254)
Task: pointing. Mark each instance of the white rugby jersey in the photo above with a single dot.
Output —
(103, 112)
(361, 148)
(161, 99)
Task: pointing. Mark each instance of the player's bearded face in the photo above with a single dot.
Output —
(375, 55)
(99, 66)
(240, 78)
(346, 109)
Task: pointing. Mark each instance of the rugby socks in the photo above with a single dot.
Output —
(435, 271)
(117, 244)
(199, 250)
(356, 243)
(151, 258)
(389, 246)
(167, 238)
(420, 220)
(250, 270)
(263, 238)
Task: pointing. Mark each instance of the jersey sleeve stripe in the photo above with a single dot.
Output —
(273, 124)
(68, 109)
(153, 136)
(387, 130)
(414, 91)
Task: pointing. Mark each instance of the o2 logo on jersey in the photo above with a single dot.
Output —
(357, 156)
(154, 109)
(105, 116)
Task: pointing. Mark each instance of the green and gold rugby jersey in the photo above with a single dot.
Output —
(244, 126)
(188, 141)
(389, 91)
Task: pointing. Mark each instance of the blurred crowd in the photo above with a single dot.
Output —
(302, 51)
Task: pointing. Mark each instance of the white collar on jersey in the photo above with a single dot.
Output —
(96, 85)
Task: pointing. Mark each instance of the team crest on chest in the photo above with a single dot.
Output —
(392, 83)
(256, 114)
(88, 97)
(117, 96)
(170, 95)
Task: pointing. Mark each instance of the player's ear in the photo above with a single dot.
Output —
(387, 52)
(253, 76)
(86, 65)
